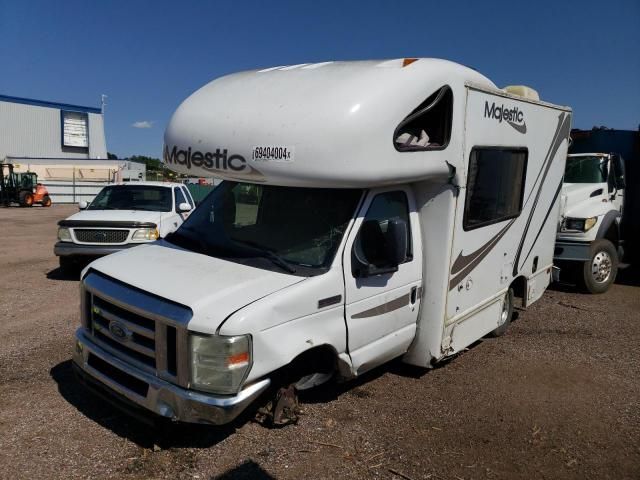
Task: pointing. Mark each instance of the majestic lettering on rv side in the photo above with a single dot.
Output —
(513, 116)
(218, 160)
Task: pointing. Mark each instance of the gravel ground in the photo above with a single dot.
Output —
(557, 397)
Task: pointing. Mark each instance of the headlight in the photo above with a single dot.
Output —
(589, 223)
(64, 235)
(146, 234)
(580, 224)
(219, 364)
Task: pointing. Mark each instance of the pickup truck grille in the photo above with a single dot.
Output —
(100, 236)
(132, 326)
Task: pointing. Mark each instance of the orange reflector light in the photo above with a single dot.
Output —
(408, 61)
(238, 358)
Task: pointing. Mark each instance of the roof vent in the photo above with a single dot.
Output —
(522, 91)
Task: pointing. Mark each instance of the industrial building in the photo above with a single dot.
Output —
(64, 144)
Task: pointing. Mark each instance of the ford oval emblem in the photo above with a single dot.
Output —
(118, 330)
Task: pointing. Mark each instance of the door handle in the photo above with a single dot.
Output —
(414, 295)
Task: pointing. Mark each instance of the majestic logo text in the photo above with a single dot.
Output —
(218, 160)
(513, 116)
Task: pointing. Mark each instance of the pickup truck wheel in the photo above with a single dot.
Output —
(506, 312)
(600, 272)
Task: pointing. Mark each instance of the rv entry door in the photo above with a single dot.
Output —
(383, 277)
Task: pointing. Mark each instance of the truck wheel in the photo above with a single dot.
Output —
(599, 273)
(46, 201)
(26, 199)
(506, 312)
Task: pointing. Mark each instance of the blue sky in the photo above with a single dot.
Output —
(147, 56)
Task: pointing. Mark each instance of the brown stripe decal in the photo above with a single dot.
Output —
(385, 307)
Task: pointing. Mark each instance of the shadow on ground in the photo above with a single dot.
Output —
(146, 433)
(629, 276)
(59, 274)
(248, 470)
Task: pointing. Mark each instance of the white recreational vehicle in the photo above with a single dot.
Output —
(370, 210)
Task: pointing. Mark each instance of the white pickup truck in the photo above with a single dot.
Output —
(589, 242)
(122, 216)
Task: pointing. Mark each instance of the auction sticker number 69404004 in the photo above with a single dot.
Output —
(272, 153)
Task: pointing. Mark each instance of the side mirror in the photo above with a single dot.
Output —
(184, 207)
(397, 239)
(82, 205)
(376, 252)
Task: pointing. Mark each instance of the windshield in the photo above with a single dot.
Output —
(284, 228)
(586, 170)
(133, 197)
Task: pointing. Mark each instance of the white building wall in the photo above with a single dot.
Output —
(36, 131)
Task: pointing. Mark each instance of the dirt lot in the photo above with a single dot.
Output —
(557, 397)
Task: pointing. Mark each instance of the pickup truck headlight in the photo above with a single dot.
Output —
(64, 235)
(580, 224)
(146, 234)
(219, 364)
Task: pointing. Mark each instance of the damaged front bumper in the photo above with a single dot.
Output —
(97, 367)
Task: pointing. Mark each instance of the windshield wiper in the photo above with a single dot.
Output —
(266, 253)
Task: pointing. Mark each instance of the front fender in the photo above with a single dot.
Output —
(611, 218)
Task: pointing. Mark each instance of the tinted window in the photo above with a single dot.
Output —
(133, 197)
(371, 244)
(179, 197)
(187, 195)
(495, 186)
(586, 170)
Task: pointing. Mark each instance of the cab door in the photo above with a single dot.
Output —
(382, 300)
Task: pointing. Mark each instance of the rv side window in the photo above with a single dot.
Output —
(428, 127)
(371, 243)
(495, 186)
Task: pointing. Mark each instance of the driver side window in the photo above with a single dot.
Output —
(373, 243)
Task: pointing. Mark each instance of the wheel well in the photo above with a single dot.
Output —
(519, 286)
(612, 234)
(320, 359)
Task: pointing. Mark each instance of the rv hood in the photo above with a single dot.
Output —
(213, 288)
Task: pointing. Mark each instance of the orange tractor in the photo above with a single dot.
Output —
(21, 188)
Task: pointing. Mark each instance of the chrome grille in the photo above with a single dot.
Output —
(101, 236)
(144, 330)
(129, 333)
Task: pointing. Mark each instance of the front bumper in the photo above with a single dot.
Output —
(572, 251)
(156, 395)
(68, 249)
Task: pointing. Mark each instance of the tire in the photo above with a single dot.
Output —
(600, 272)
(506, 312)
(26, 199)
(46, 201)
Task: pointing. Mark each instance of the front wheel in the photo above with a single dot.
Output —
(46, 201)
(600, 271)
(26, 199)
(506, 312)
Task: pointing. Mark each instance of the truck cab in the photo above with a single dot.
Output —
(589, 242)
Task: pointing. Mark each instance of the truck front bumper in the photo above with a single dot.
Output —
(572, 251)
(97, 367)
(70, 249)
